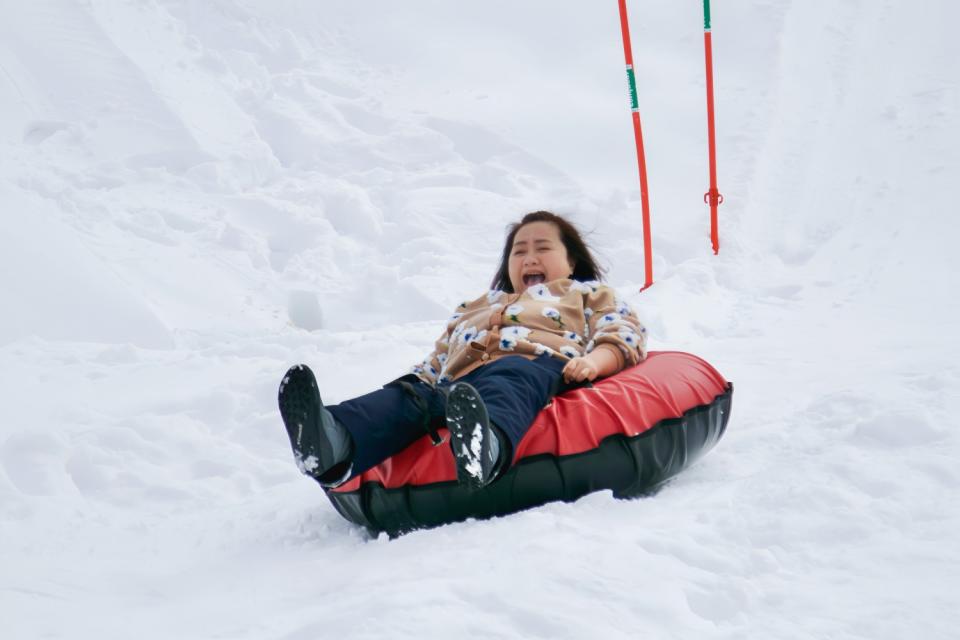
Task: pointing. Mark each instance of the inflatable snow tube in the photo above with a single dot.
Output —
(627, 433)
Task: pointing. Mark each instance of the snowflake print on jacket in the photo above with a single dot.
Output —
(570, 352)
(513, 312)
(542, 292)
(553, 314)
(511, 335)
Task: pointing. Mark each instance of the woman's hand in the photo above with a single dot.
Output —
(602, 361)
(580, 370)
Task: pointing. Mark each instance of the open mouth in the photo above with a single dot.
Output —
(533, 278)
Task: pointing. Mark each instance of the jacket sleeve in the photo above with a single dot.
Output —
(612, 321)
(432, 367)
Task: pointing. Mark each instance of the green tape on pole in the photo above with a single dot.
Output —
(631, 80)
(706, 15)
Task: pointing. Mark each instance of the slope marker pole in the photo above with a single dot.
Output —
(638, 134)
(713, 196)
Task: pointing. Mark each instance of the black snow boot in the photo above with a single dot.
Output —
(474, 441)
(322, 446)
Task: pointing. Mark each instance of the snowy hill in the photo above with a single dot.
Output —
(194, 196)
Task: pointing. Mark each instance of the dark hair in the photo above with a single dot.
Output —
(585, 266)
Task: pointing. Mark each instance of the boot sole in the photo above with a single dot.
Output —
(300, 407)
(468, 423)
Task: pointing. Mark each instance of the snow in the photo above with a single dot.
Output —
(195, 196)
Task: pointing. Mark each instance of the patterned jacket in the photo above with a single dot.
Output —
(563, 318)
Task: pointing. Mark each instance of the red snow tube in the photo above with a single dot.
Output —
(628, 433)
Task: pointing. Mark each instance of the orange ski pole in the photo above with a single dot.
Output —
(713, 196)
(638, 134)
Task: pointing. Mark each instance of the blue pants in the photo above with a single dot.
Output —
(384, 422)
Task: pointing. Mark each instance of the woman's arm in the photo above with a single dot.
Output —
(617, 339)
(603, 361)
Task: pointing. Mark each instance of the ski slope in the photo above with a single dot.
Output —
(194, 196)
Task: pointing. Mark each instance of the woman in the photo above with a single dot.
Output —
(546, 325)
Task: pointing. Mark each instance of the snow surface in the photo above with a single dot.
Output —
(196, 195)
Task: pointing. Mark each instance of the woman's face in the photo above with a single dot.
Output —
(537, 255)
